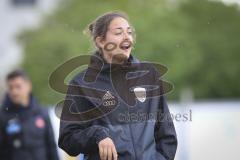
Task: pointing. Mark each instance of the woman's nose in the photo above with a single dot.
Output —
(126, 35)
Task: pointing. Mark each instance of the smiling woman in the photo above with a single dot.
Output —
(113, 36)
(90, 122)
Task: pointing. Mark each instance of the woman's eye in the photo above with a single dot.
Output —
(118, 33)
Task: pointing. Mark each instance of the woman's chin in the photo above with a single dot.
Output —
(120, 57)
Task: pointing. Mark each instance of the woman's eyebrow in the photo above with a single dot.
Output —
(122, 28)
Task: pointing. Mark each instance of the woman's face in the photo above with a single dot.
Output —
(118, 41)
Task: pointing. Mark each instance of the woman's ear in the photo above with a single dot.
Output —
(100, 42)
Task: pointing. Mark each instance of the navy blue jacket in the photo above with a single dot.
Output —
(26, 132)
(98, 105)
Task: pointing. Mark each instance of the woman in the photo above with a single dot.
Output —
(104, 99)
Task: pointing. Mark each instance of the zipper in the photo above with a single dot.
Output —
(130, 130)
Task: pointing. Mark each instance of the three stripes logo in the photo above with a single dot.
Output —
(109, 99)
(108, 95)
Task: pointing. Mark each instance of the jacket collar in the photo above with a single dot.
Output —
(97, 62)
(9, 106)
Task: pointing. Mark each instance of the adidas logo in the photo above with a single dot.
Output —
(108, 95)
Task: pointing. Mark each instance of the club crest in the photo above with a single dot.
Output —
(140, 93)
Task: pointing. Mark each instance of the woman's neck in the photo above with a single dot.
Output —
(115, 59)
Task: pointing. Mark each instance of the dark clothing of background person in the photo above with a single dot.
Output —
(26, 132)
(134, 141)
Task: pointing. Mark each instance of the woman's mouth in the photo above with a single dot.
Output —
(125, 45)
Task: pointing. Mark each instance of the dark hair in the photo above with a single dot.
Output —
(99, 27)
(17, 73)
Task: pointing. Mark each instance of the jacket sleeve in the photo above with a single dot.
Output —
(3, 145)
(1, 137)
(79, 137)
(51, 146)
(164, 133)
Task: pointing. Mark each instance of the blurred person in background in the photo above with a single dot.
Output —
(25, 129)
(107, 138)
